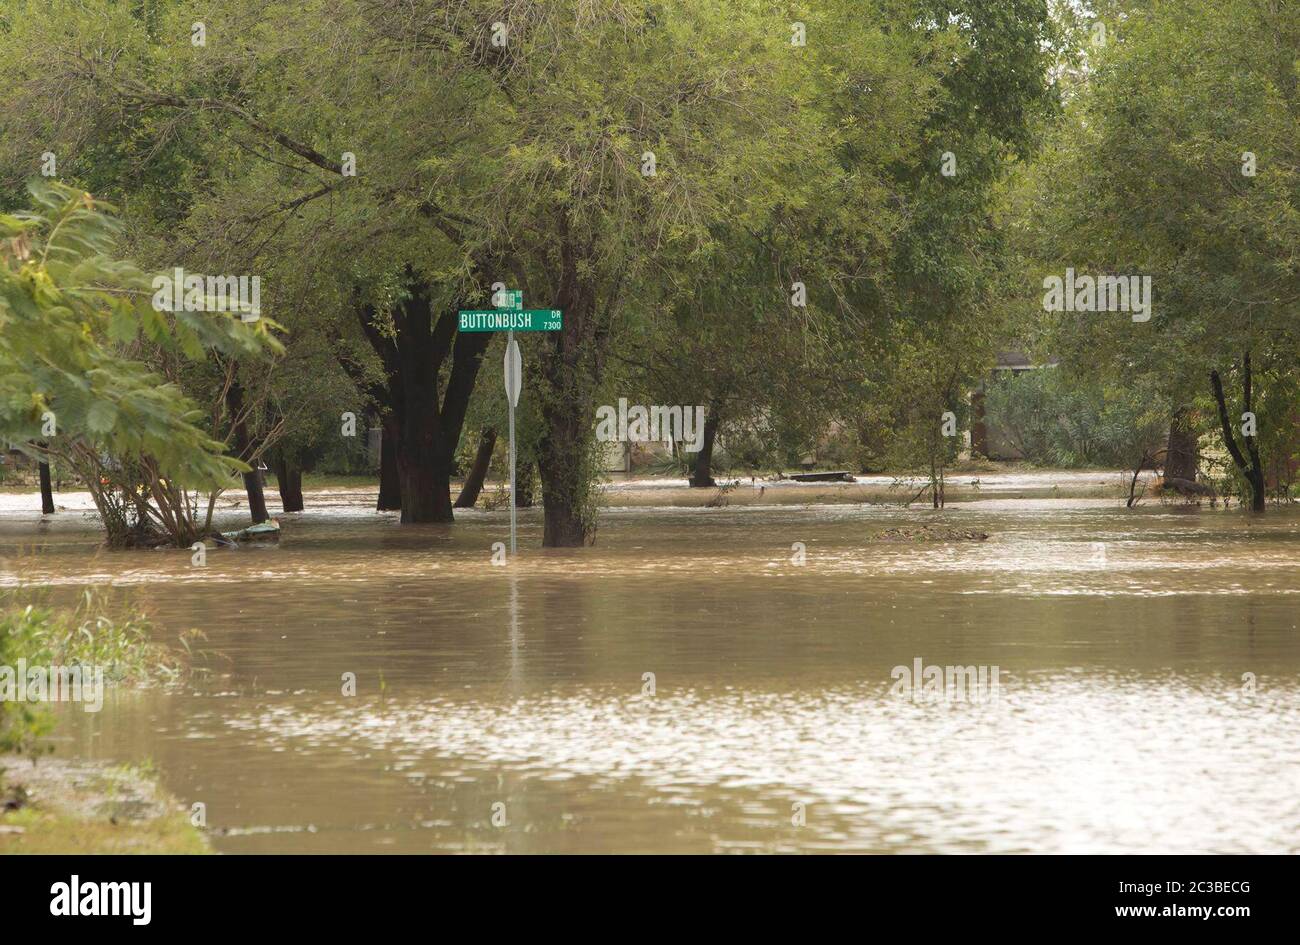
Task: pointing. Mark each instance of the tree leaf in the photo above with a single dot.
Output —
(101, 417)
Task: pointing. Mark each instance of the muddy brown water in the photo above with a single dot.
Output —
(505, 708)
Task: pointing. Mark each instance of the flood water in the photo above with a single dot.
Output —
(1121, 723)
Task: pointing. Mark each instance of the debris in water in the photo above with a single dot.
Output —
(931, 533)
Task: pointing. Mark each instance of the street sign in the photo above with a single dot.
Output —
(514, 372)
(512, 299)
(529, 319)
(511, 316)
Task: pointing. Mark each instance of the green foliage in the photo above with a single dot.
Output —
(1145, 176)
(903, 267)
(925, 380)
(775, 163)
(100, 631)
(22, 724)
(1057, 420)
(75, 323)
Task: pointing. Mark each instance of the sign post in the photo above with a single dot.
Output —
(511, 316)
(514, 381)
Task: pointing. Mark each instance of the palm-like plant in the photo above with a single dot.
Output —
(75, 325)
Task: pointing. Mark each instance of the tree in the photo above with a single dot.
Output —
(153, 108)
(74, 321)
(646, 143)
(613, 161)
(1178, 160)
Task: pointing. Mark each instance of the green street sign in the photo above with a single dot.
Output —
(512, 299)
(497, 319)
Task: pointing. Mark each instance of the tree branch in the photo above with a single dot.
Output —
(1229, 438)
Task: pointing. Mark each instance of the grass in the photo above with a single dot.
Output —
(46, 832)
(84, 808)
(99, 631)
(50, 805)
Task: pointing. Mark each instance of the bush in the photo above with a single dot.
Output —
(1055, 419)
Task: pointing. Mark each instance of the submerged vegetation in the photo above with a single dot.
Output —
(49, 805)
(84, 369)
(101, 631)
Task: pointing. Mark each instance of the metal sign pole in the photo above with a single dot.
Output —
(510, 396)
(510, 314)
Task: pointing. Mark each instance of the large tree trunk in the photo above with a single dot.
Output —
(425, 432)
(566, 492)
(244, 449)
(469, 492)
(702, 476)
(466, 360)
(390, 487)
(256, 491)
(1181, 458)
(425, 484)
(425, 478)
(288, 478)
(566, 523)
(1258, 492)
(571, 370)
(47, 493)
(1252, 470)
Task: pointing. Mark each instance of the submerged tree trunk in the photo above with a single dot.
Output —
(487, 441)
(425, 479)
(565, 523)
(702, 476)
(47, 492)
(1133, 496)
(256, 490)
(288, 477)
(390, 487)
(937, 497)
(1252, 470)
(571, 371)
(425, 432)
(244, 449)
(566, 489)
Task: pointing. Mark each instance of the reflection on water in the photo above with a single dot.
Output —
(1122, 639)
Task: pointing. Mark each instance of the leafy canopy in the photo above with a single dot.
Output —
(75, 325)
